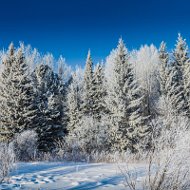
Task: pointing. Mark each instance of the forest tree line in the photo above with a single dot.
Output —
(111, 106)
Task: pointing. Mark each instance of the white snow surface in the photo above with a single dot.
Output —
(66, 176)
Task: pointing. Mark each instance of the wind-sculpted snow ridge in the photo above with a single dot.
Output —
(62, 176)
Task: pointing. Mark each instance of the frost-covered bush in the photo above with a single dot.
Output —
(26, 145)
(89, 136)
(86, 140)
(7, 159)
(167, 164)
(170, 132)
(70, 150)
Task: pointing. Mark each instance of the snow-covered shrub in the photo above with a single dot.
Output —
(169, 131)
(7, 158)
(70, 150)
(26, 145)
(167, 165)
(90, 135)
(89, 138)
(47, 156)
(111, 157)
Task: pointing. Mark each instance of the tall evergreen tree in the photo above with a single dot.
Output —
(64, 71)
(125, 104)
(180, 54)
(6, 132)
(165, 109)
(88, 92)
(85, 120)
(74, 106)
(61, 63)
(175, 85)
(99, 105)
(183, 60)
(17, 98)
(52, 107)
(163, 68)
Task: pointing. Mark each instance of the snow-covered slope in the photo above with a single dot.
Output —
(54, 175)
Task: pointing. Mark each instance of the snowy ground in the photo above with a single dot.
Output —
(66, 176)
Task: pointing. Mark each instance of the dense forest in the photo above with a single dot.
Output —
(116, 105)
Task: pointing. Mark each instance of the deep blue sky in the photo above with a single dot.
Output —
(72, 27)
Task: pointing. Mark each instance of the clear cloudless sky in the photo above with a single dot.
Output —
(71, 27)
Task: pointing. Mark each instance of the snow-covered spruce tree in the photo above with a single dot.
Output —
(49, 60)
(51, 103)
(99, 107)
(181, 57)
(88, 90)
(175, 84)
(164, 104)
(94, 90)
(74, 106)
(74, 113)
(86, 130)
(172, 101)
(86, 133)
(92, 131)
(32, 56)
(163, 68)
(124, 101)
(6, 131)
(180, 53)
(64, 71)
(17, 98)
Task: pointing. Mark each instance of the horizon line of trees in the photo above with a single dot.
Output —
(107, 107)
